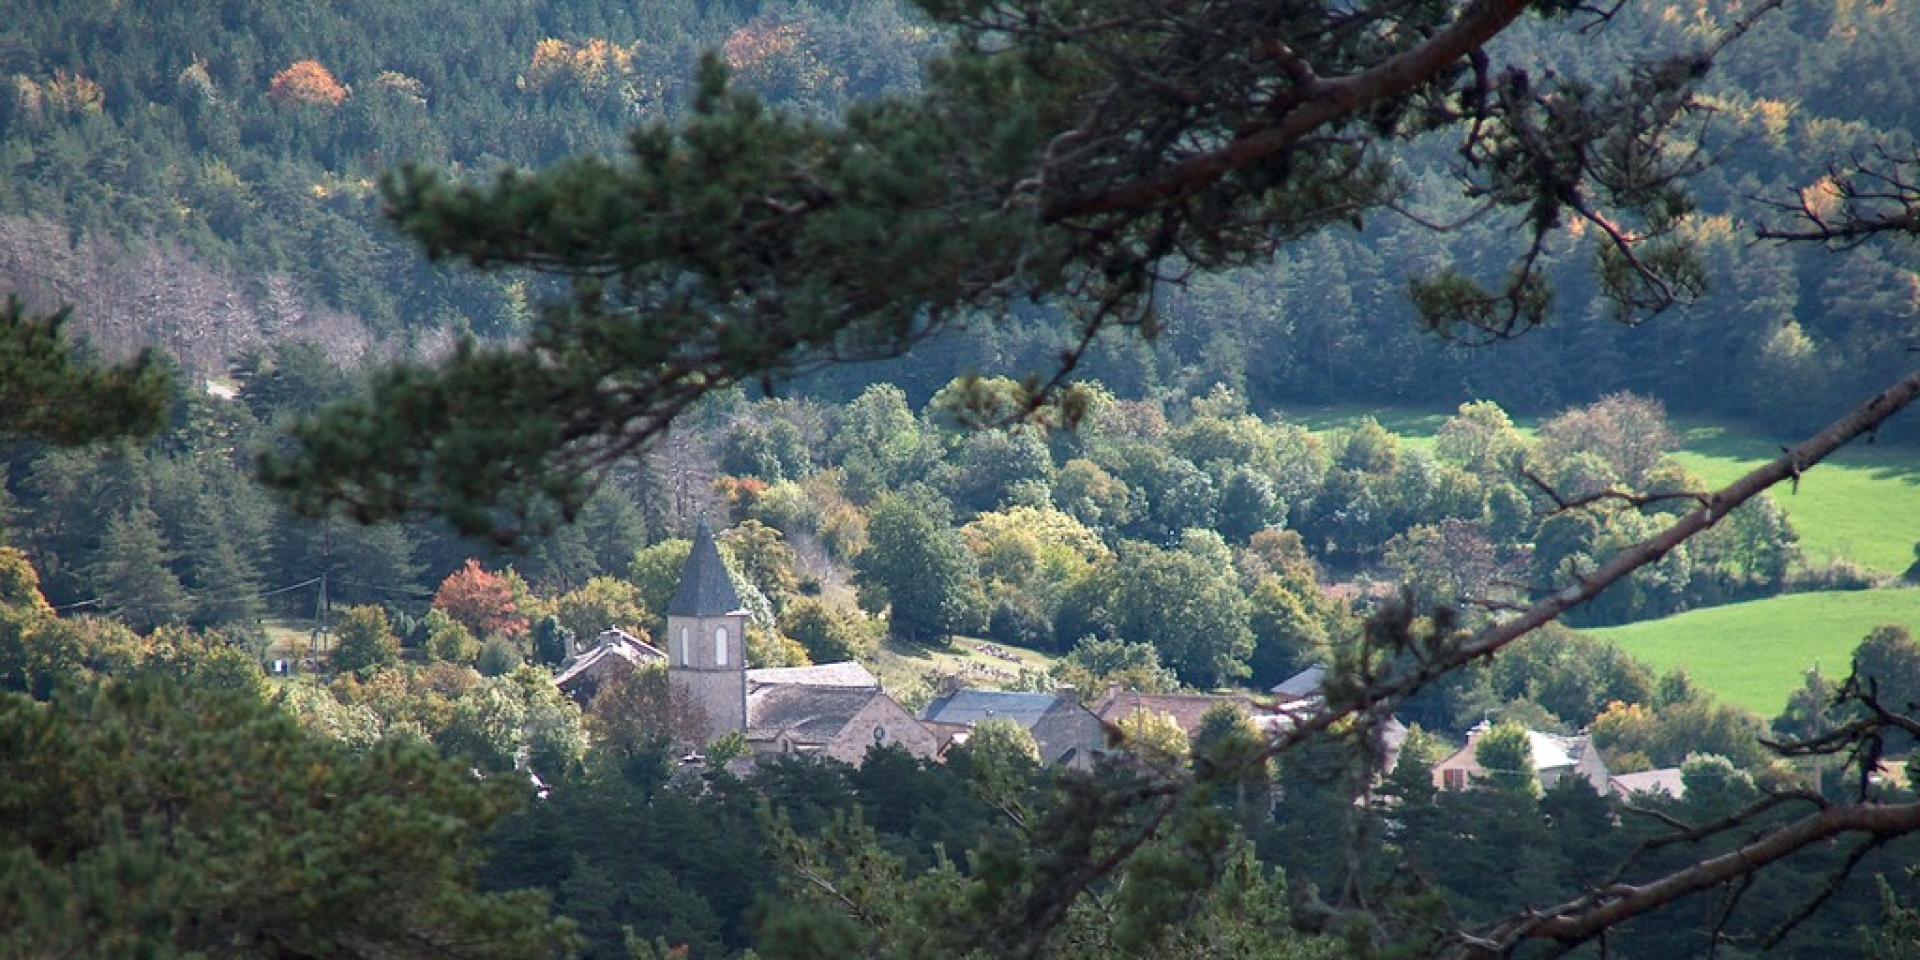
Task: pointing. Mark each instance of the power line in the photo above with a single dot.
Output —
(96, 601)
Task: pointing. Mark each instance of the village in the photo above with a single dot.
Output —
(839, 711)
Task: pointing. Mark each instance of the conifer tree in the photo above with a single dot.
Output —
(614, 527)
(149, 818)
(47, 391)
(552, 641)
(132, 573)
(226, 587)
(1051, 155)
(219, 555)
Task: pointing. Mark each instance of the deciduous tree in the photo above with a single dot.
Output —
(481, 601)
(919, 571)
(364, 641)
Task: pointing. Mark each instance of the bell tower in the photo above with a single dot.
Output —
(707, 640)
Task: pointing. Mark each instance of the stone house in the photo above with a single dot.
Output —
(1555, 758)
(836, 722)
(615, 653)
(832, 710)
(1301, 689)
(1066, 732)
(1665, 781)
(1186, 709)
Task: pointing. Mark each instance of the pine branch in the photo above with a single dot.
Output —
(1324, 103)
(1376, 695)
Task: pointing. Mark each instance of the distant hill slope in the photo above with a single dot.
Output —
(236, 147)
(1755, 654)
(202, 175)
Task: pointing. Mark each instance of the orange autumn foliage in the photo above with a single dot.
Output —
(751, 47)
(480, 601)
(594, 65)
(308, 84)
(74, 93)
(739, 493)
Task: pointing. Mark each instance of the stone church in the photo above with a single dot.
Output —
(832, 710)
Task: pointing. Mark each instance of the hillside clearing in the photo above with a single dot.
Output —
(903, 668)
(1754, 654)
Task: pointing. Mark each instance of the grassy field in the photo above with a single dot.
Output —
(1415, 428)
(1754, 654)
(900, 667)
(1861, 505)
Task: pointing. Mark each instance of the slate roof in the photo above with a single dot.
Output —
(1186, 709)
(705, 589)
(1393, 738)
(1665, 780)
(613, 634)
(1550, 750)
(613, 643)
(969, 707)
(808, 714)
(1301, 685)
(846, 673)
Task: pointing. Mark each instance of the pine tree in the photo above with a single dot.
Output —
(1040, 160)
(225, 577)
(9, 509)
(47, 391)
(221, 803)
(552, 641)
(362, 564)
(614, 526)
(226, 587)
(132, 575)
(561, 560)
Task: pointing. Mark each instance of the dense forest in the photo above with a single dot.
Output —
(204, 178)
(230, 723)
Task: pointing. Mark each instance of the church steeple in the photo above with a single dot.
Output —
(707, 639)
(705, 588)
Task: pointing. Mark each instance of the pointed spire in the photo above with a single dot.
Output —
(705, 588)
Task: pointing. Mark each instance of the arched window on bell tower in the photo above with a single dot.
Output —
(719, 646)
(686, 646)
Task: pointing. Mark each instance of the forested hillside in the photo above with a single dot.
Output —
(202, 176)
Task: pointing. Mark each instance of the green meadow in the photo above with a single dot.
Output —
(1863, 504)
(1755, 653)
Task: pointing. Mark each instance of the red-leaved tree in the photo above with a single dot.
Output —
(481, 601)
(307, 83)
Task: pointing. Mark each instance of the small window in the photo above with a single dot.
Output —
(1455, 779)
(686, 647)
(720, 646)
